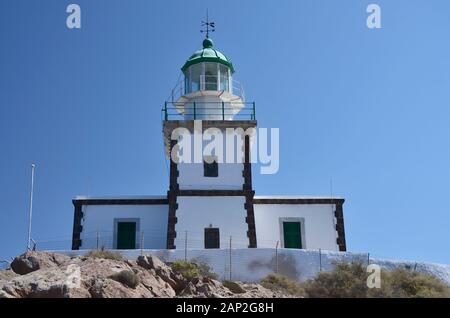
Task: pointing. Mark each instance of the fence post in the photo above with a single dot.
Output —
(276, 257)
(320, 259)
(223, 111)
(142, 243)
(98, 239)
(230, 258)
(194, 111)
(368, 259)
(185, 246)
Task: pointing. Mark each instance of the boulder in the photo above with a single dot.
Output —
(234, 287)
(25, 264)
(48, 275)
(150, 262)
(33, 261)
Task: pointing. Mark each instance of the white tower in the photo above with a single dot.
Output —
(211, 199)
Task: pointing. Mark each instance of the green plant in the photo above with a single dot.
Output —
(188, 270)
(278, 282)
(126, 277)
(105, 254)
(401, 283)
(204, 269)
(349, 280)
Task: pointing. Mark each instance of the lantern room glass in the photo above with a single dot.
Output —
(207, 76)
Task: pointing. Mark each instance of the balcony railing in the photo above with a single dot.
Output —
(207, 83)
(209, 111)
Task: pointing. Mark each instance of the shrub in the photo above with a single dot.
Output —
(204, 269)
(187, 269)
(126, 277)
(402, 283)
(105, 254)
(278, 282)
(348, 280)
(193, 269)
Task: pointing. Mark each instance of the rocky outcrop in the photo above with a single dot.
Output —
(39, 274)
(32, 261)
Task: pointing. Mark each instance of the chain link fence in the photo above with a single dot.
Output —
(233, 260)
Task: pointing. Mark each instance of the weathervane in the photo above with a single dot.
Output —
(210, 26)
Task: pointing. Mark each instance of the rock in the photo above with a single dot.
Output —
(189, 291)
(3, 294)
(150, 262)
(33, 261)
(6, 275)
(25, 264)
(48, 275)
(234, 287)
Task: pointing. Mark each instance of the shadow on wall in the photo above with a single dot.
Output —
(287, 265)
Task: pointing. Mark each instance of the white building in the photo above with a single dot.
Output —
(208, 202)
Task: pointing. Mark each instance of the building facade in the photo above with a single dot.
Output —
(211, 200)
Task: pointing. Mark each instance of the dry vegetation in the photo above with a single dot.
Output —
(348, 280)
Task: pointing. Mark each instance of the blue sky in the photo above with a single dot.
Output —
(368, 109)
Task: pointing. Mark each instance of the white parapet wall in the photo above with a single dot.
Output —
(251, 265)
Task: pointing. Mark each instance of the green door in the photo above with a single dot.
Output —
(126, 235)
(292, 235)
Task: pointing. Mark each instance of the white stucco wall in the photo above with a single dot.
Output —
(197, 213)
(251, 265)
(227, 147)
(229, 177)
(319, 224)
(100, 219)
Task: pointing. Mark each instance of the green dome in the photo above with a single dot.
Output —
(208, 54)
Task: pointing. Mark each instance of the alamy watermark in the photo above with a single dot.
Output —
(374, 278)
(73, 20)
(374, 19)
(227, 146)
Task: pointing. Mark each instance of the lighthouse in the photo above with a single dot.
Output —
(210, 199)
(208, 129)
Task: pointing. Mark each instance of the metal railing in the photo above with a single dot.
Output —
(207, 83)
(209, 110)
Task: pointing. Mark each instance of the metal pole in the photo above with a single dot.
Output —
(368, 259)
(320, 259)
(223, 111)
(194, 111)
(142, 243)
(98, 239)
(276, 257)
(230, 258)
(185, 246)
(33, 166)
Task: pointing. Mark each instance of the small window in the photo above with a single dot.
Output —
(210, 167)
(212, 238)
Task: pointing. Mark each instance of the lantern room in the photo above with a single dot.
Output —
(208, 90)
(207, 70)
